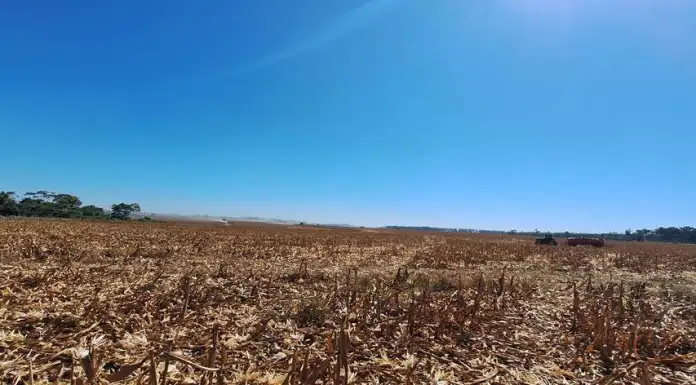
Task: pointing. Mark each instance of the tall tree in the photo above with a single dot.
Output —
(67, 201)
(42, 195)
(33, 207)
(67, 206)
(8, 203)
(122, 211)
(92, 211)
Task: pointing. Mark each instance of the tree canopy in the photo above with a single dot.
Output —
(123, 211)
(49, 204)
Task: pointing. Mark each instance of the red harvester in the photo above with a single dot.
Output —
(596, 242)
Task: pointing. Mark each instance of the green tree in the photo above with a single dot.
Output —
(44, 203)
(67, 201)
(41, 195)
(32, 207)
(92, 211)
(122, 211)
(8, 204)
(38, 204)
(67, 206)
(689, 234)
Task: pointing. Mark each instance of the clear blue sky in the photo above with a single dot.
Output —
(548, 114)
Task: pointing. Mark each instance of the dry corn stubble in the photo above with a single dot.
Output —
(162, 303)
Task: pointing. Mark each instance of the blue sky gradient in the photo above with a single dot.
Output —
(506, 114)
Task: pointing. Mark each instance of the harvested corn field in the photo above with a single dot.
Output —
(155, 303)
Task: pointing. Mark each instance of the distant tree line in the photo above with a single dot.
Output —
(685, 234)
(46, 204)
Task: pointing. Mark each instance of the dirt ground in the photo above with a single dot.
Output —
(251, 304)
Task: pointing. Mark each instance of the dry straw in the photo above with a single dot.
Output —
(87, 303)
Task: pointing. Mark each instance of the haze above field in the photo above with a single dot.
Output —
(504, 114)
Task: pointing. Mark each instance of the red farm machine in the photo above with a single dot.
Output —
(582, 241)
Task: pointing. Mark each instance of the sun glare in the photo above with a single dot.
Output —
(542, 22)
(664, 25)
